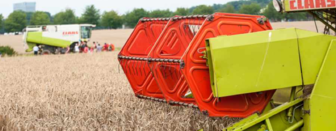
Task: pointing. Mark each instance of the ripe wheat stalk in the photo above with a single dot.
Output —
(84, 92)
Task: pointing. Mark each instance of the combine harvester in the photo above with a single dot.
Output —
(231, 65)
(55, 38)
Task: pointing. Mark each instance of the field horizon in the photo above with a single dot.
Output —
(119, 36)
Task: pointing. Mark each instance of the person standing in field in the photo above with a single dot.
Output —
(81, 47)
(76, 48)
(68, 50)
(92, 49)
(86, 49)
(99, 48)
(109, 47)
(112, 47)
(105, 47)
(94, 45)
(36, 49)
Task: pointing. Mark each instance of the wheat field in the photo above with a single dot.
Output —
(88, 92)
(84, 92)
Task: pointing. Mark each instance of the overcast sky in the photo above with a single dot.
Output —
(121, 6)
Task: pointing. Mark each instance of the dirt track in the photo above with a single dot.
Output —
(119, 37)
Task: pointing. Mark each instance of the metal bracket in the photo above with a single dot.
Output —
(210, 17)
(149, 60)
(306, 112)
(182, 64)
(261, 21)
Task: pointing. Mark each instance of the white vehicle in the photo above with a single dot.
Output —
(56, 38)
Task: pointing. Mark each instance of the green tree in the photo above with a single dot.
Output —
(111, 19)
(160, 13)
(79, 20)
(182, 11)
(6, 50)
(16, 22)
(203, 10)
(228, 8)
(217, 7)
(295, 16)
(271, 13)
(262, 3)
(132, 18)
(91, 15)
(40, 18)
(29, 16)
(65, 17)
(252, 9)
(1, 21)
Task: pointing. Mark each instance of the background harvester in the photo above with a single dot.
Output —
(55, 39)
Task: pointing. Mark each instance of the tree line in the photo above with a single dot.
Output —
(18, 20)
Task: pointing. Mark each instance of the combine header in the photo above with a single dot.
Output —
(163, 58)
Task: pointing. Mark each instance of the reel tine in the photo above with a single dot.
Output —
(123, 66)
(164, 71)
(150, 69)
(193, 29)
(180, 71)
(154, 70)
(145, 63)
(199, 25)
(162, 25)
(119, 66)
(181, 26)
(141, 68)
(185, 27)
(136, 67)
(176, 73)
(170, 73)
(144, 67)
(133, 68)
(189, 25)
(128, 65)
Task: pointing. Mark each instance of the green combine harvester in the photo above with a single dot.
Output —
(54, 39)
(302, 61)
